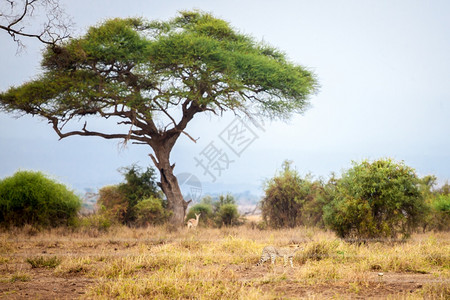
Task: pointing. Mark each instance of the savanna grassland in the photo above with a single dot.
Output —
(206, 263)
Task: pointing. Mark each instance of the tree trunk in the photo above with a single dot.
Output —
(170, 187)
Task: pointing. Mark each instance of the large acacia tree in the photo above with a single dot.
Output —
(152, 78)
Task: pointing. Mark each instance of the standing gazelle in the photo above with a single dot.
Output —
(193, 222)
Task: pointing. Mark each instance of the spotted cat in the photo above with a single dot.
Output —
(285, 252)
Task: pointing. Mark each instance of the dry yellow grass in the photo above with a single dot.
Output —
(208, 263)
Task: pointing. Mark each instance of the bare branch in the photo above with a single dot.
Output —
(165, 112)
(14, 20)
(187, 134)
(85, 132)
(154, 160)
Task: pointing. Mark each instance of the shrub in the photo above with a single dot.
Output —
(138, 185)
(98, 221)
(121, 201)
(32, 198)
(291, 200)
(113, 203)
(376, 200)
(439, 215)
(281, 203)
(150, 211)
(206, 213)
(227, 215)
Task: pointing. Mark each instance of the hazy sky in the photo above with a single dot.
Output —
(383, 67)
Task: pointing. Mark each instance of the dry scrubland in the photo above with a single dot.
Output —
(217, 263)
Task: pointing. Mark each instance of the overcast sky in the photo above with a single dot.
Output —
(383, 68)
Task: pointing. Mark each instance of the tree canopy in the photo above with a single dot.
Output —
(152, 77)
(130, 67)
(379, 199)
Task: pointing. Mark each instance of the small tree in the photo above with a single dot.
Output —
(138, 185)
(153, 78)
(227, 215)
(379, 199)
(120, 201)
(113, 202)
(225, 210)
(285, 197)
(32, 198)
(317, 195)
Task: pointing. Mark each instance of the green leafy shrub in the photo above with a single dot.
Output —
(32, 198)
(206, 211)
(150, 211)
(379, 199)
(227, 215)
(291, 200)
(439, 213)
(121, 202)
(98, 221)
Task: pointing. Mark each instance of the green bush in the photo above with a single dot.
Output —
(206, 211)
(381, 199)
(227, 215)
(121, 201)
(99, 221)
(216, 211)
(150, 212)
(291, 200)
(439, 213)
(32, 198)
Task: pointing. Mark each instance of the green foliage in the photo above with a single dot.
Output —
(438, 217)
(291, 201)
(442, 203)
(152, 78)
(225, 211)
(281, 203)
(100, 222)
(124, 62)
(122, 203)
(206, 211)
(138, 185)
(445, 189)
(32, 198)
(227, 215)
(223, 200)
(219, 212)
(379, 199)
(150, 211)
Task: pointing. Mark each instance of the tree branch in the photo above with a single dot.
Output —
(187, 134)
(53, 31)
(85, 132)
